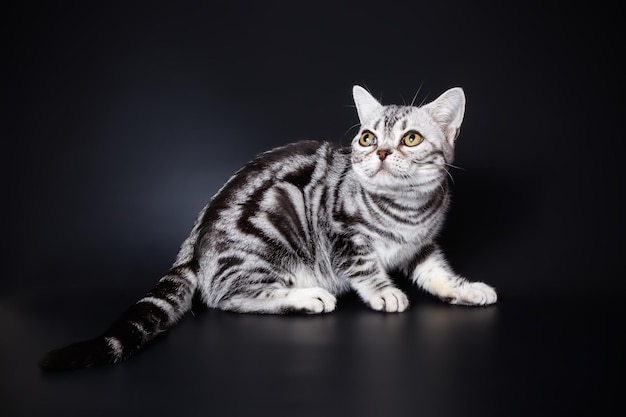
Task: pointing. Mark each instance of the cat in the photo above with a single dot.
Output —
(302, 224)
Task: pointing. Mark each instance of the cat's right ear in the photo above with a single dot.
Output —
(366, 105)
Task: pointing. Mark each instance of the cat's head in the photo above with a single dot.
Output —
(406, 147)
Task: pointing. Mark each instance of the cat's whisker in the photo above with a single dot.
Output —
(423, 100)
(350, 128)
(450, 175)
(417, 93)
(454, 166)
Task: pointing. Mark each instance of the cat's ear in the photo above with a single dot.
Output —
(448, 110)
(366, 106)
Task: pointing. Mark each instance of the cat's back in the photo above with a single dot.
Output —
(277, 177)
(298, 159)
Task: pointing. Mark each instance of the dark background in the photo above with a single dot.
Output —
(121, 120)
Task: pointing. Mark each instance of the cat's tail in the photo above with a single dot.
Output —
(159, 310)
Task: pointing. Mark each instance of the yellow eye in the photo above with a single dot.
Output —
(367, 139)
(412, 139)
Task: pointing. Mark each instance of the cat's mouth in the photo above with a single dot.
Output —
(382, 171)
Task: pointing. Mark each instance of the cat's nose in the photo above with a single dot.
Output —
(382, 153)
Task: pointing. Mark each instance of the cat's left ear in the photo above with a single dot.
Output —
(448, 110)
(366, 106)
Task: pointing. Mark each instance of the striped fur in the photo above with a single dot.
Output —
(302, 224)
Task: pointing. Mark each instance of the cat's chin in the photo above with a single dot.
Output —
(383, 173)
(383, 180)
(383, 177)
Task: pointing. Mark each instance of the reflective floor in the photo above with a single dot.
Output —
(522, 357)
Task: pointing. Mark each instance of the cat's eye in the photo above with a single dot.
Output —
(367, 139)
(412, 139)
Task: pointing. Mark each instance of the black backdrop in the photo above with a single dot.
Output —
(120, 120)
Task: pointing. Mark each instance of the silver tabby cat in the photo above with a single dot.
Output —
(303, 223)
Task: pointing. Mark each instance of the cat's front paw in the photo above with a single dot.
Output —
(311, 300)
(389, 299)
(472, 294)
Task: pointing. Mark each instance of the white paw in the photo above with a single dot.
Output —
(472, 293)
(311, 300)
(389, 299)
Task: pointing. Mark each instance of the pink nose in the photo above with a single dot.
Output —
(382, 154)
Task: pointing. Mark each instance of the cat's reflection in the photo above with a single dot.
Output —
(433, 336)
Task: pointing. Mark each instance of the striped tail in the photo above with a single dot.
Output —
(159, 310)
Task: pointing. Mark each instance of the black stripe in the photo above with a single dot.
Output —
(260, 164)
(228, 270)
(374, 203)
(286, 212)
(226, 262)
(420, 256)
(286, 226)
(393, 114)
(432, 208)
(380, 284)
(301, 176)
(262, 275)
(382, 232)
(151, 320)
(250, 209)
(168, 286)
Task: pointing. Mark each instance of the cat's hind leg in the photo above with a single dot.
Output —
(277, 300)
(258, 286)
(431, 271)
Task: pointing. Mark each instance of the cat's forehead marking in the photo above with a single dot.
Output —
(391, 116)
